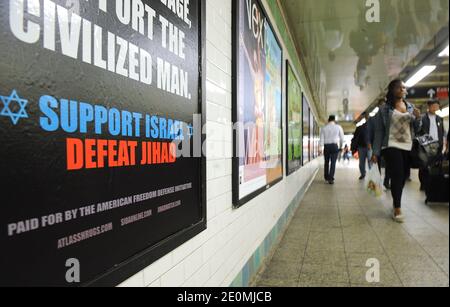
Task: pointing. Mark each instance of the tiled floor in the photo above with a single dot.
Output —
(337, 229)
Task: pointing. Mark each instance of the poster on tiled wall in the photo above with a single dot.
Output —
(97, 98)
(311, 135)
(293, 122)
(306, 131)
(258, 68)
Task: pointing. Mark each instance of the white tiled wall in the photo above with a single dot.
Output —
(216, 256)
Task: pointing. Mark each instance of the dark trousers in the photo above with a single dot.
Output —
(331, 152)
(424, 177)
(387, 179)
(398, 168)
(364, 155)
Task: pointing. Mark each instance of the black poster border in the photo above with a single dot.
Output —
(121, 272)
(239, 202)
(295, 169)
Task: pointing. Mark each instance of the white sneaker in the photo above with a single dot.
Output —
(398, 218)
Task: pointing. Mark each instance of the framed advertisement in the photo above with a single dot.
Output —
(317, 138)
(311, 135)
(306, 131)
(293, 122)
(97, 104)
(314, 138)
(257, 102)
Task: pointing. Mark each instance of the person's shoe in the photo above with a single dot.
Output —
(398, 218)
(331, 182)
(362, 177)
(387, 186)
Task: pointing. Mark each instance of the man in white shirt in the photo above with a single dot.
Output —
(332, 139)
(433, 125)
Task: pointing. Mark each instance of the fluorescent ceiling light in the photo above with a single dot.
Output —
(443, 113)
(444, 52)
(420, 75)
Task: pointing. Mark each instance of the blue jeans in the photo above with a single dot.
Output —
(364, 155)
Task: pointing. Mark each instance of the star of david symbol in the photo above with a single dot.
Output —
(7, 112)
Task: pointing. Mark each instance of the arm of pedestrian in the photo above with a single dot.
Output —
(417, 120)
(378, 134)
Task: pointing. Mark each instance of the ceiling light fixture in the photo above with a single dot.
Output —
(420, 75)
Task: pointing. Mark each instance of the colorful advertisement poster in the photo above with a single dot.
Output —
(317, 138)
(314, 138)
(258, 102)
(95, 103)
(294, 122)
(306, 131)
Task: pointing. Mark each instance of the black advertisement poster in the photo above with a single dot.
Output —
(97, 99)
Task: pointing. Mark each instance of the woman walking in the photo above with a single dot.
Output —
(396, 125)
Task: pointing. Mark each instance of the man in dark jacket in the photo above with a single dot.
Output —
(433, 125)
(361, 143)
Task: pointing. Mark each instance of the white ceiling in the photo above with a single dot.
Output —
(405, 28)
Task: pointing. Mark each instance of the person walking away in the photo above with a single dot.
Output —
(396, 125)
(347, 154)
(332, 139)
(362, 144)
(433, 125)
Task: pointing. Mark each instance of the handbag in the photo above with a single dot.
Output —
(374, 182)
(425, 151)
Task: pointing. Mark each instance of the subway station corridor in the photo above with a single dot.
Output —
(338, 228)
(180, 144)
